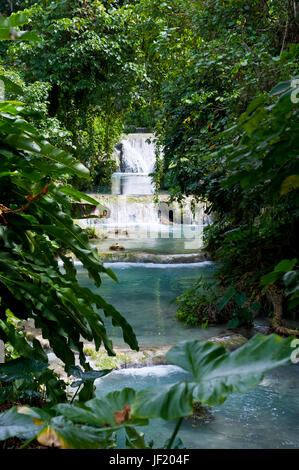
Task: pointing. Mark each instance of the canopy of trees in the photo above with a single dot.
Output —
(218, 84)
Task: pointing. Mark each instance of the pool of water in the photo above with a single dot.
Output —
(153, 245)
(266, 417)
(154, 238)
(143, 296)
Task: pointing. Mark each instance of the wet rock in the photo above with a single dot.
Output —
(126, 358)
(229, 341)
(116, 247)
(31, 333)
(262, 326)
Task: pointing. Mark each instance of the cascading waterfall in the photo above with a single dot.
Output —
(126, 211)
(137, 161)
(131, 202)
(138, 154)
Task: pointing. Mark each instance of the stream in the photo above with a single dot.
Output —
(265, 417)
(143, 295)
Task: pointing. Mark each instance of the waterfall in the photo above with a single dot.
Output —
(137, 160)
(126, 211)
(131, 202)
(138, 154)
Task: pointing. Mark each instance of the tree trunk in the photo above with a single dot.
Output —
(275, 296)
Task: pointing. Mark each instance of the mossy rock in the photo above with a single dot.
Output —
(126, 358)
(229, 341)
(116, 247)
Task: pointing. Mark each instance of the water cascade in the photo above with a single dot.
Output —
(134, 217)
(136, 161)
(138, 153)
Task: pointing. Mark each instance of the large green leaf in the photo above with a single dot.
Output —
(87, 427)
(79, 196)
(216, 374)
(280, 88)
(10, 85)
(282, 267)
(101, 412)
(66, 435)
(51, 431)
(16, 19)
(21, 368)
(13, 424)
(8, 27)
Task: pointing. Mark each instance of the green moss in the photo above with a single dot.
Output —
(125, 358)
(103, 361)
(129, 257)
(230, 341)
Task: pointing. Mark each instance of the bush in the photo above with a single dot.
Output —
(198, 306)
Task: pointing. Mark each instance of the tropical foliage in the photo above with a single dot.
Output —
(214, 375)
(217, 81)
(38, 278)
(88, 57)
(227, 125)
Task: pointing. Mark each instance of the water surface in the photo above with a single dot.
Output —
(266, 417)
(143, 296)
(158, 238)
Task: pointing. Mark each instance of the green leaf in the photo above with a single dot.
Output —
(13, 34)
(64, 435)
(240, 299)
(289, 184)
(286, 265)
(15, 19)
(270, 278)
(22, 142)
(226, 298)
(280, 88)
(87, 380)
(102, 411)
(168, 402)
(21, 368)
(76, 371)
(78, 196)
(13, 424)
(10, 85)
(215, 375)
(135, 439)
(60, 433)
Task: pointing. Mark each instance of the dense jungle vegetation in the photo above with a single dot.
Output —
(218, 84)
